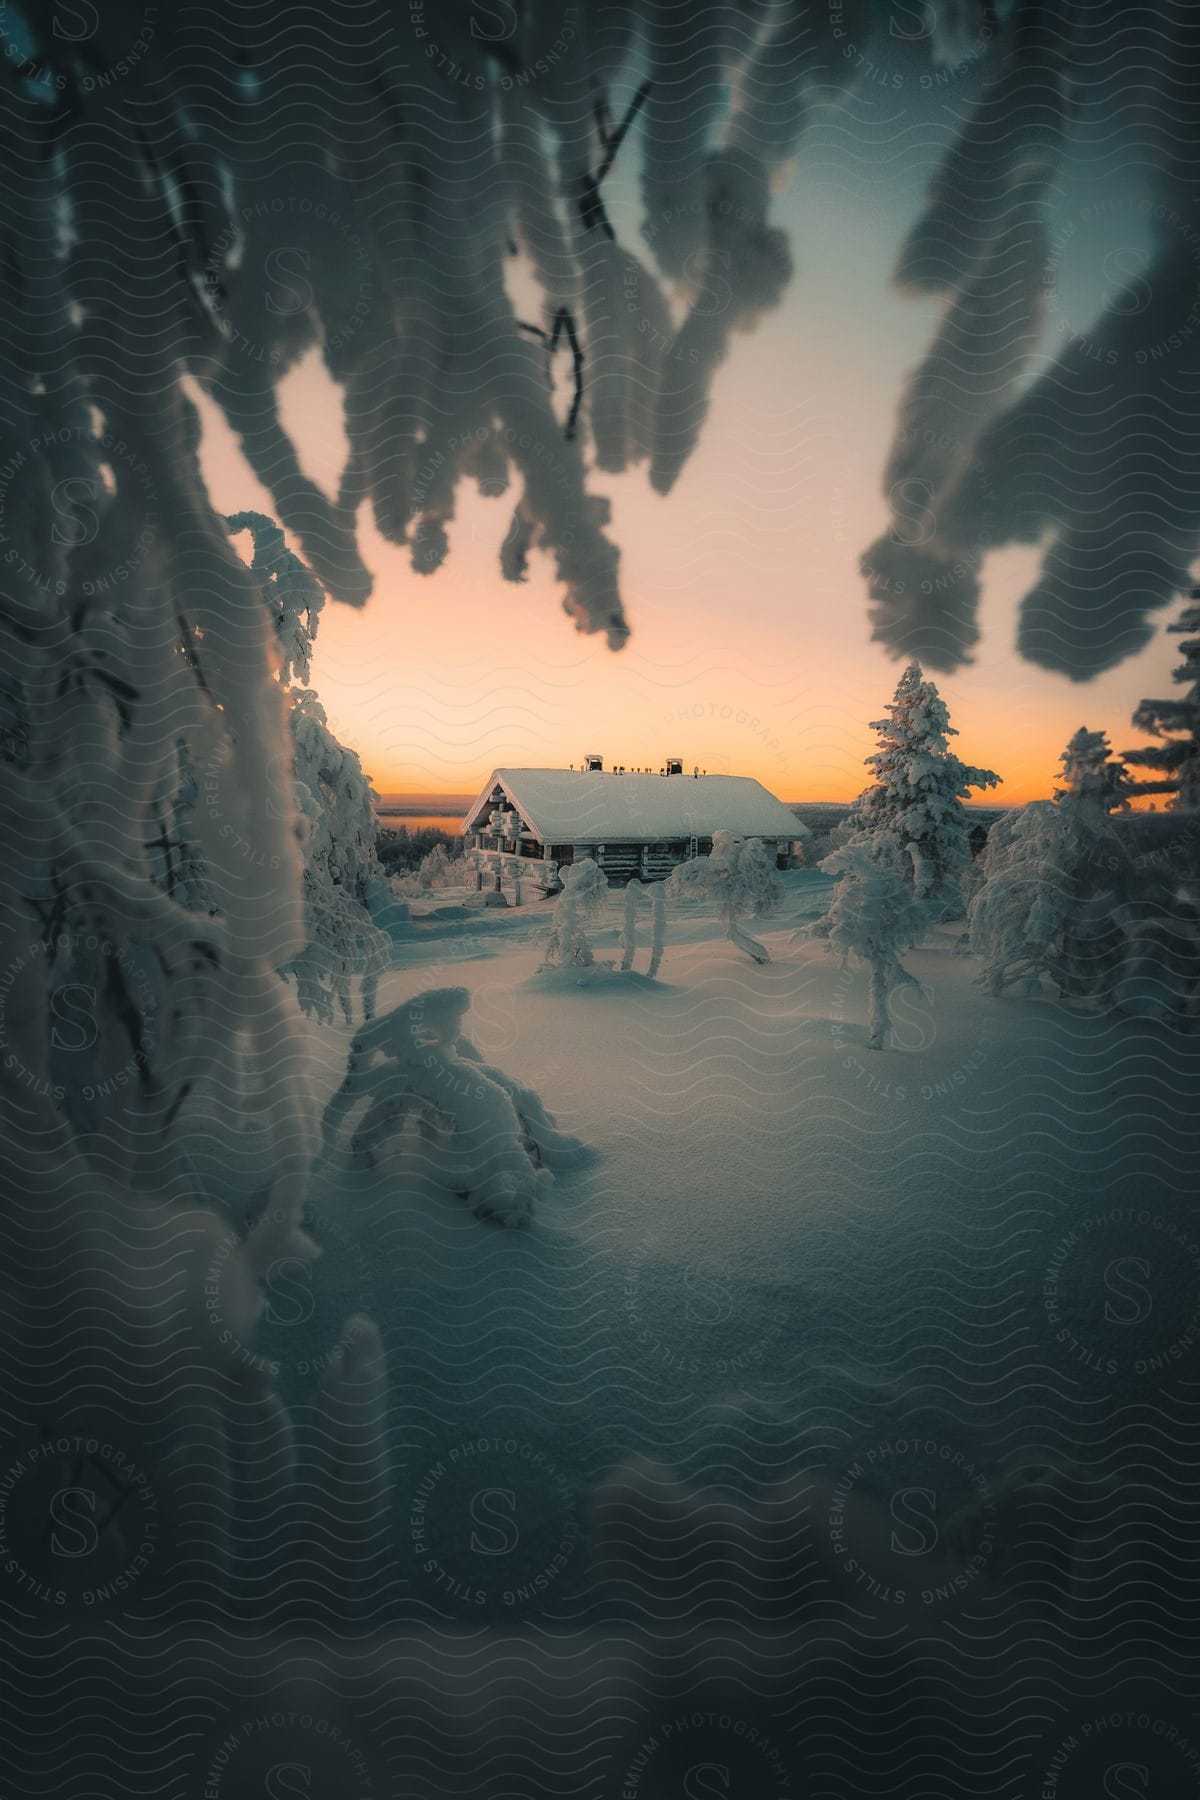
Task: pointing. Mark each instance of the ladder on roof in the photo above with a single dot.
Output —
(693, 848)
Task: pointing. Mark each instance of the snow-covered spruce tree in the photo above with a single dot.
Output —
(874, 916)
(338, 825)
(922, 786)
(585, 891)
(1062, 899)
(1090, 772)
(905, 845)
(918, 792)
(738, 878)
(1048, 892)
(1176, 722)
(177, 865)
(342, 877)
(436, 1111)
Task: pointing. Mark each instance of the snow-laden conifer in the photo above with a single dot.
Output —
(1065, 903)
(1091, 773)
(918, 792)
(738, 878)
(874, 916)
(585, 891)
(1176, 722)
(336, 821)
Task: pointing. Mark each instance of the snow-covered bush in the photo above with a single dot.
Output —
(584, 893)
(821, 844)
(874, 916)
(738, 878)
(437, 1112)
(402, 849)
(918, 793)
(435, 869)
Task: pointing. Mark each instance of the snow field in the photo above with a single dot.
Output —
(788, 1251)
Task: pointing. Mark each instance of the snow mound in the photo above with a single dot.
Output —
(436, 1114)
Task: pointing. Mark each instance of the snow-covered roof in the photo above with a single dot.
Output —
(580, 806)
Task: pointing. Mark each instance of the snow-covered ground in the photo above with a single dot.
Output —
(787, 1252)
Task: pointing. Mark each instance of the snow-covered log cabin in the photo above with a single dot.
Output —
(631, 822)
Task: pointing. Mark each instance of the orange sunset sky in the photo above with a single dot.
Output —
(750, 651)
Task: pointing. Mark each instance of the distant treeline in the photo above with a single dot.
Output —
(824, 818)
(826, 815)
(401, 850)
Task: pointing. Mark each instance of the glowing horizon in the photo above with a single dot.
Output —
(751, 650)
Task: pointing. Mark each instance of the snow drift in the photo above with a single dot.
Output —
(437, 1114)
